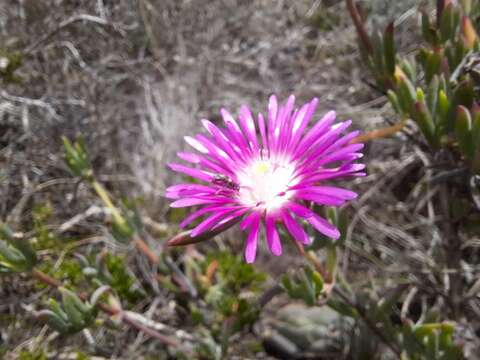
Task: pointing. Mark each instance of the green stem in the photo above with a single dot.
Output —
(103, 194)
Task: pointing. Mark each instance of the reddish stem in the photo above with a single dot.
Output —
(359, 26)
(143, 247)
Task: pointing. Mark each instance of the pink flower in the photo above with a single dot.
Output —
(267, 171)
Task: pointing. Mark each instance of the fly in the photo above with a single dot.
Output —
(225, 181)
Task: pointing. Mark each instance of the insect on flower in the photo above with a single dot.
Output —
(225, 181)
(266, 171)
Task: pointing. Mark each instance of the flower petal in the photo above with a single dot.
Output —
(331, 191)
(273, 239)
(186, 202)
(315, 131)
(187, 190)
(337, 155)
(335, 191)
(281, 128)
(319, 198)
(252, 239)
(315, 176)
(248, 126)
(209, 222)
(212, 208)
(235, 131)
(221, 140)
(198, 159)
(324, 226)
(263, 133)
(317, 147)
(316, 221)
(198, 174)
(272, 119)
(294, 228)
(248, 220)
(301, 120)
(236, 214)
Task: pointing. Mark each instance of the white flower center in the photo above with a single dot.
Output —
(264, 183)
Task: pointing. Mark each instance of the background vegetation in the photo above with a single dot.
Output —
(95, 98)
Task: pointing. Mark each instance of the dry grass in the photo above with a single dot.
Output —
(133, 78)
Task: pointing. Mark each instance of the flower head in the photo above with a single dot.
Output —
(267, 171)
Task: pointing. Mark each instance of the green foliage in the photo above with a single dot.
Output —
(10, 62)
(227, 287)
(338, 218)
(120, 280)
(100, 270)
(440, 97)
(430, 341)
(76, 158)
(82, 356)
(44, 238)
(429, 338)
(125, 220)
(128, 224)
(16, 253)
(306, 285)
(310, 330)
(105, 269)
(232, 278)
(70, 317)
(234, 274)
(70, 271)
(37, 355)
(208, 348)
(324, 18)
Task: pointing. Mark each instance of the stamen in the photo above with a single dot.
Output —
(265, 183)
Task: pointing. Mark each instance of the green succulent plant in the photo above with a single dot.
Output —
(438, 87)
